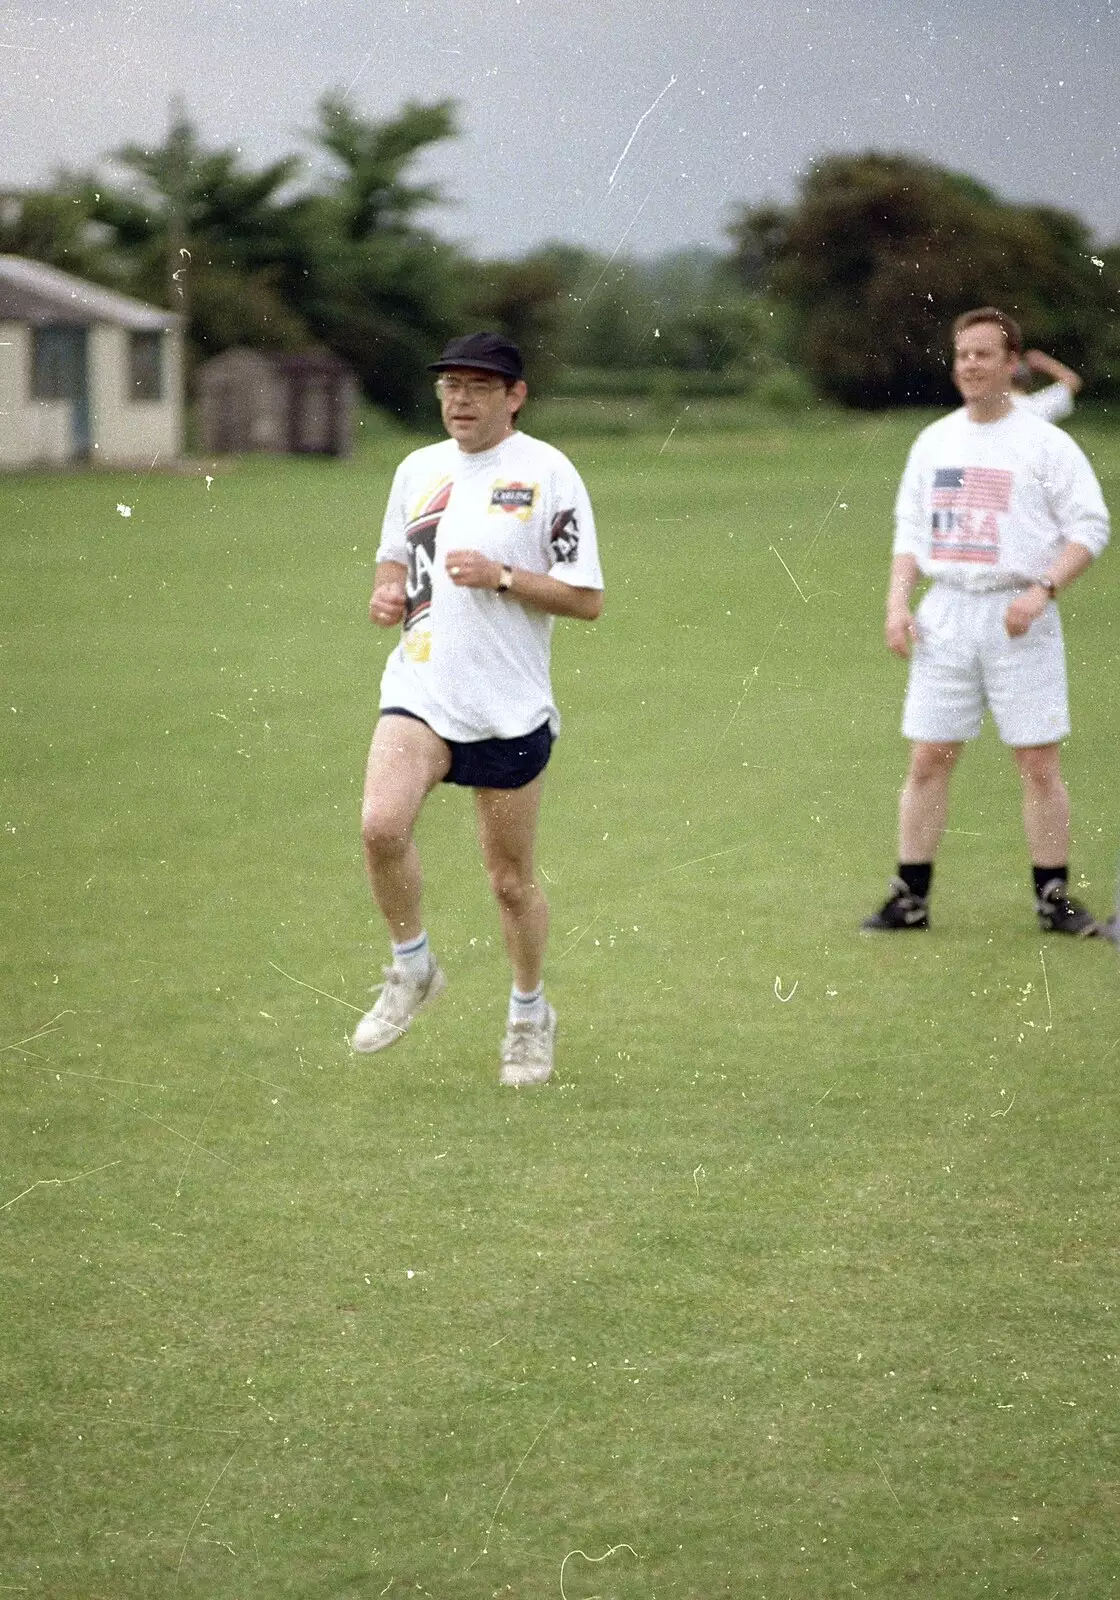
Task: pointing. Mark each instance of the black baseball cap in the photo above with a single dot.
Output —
(489, 352)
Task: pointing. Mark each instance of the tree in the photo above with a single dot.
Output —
(526, 300)
(368, 195)
(247, 261)
(705, 320)
(366, 279)
(198, 232)
(54, 226)
(612, 320)
(759, 235)
(720, 332)
(882, 252)
(1106, 373)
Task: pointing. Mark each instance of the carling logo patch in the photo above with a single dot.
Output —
(516, 499)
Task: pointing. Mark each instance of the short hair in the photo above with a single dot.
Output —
(1012, 333)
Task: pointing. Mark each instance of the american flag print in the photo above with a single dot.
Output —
(972, 488)
(964, 503)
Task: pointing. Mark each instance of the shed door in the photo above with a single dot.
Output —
(311, 415)
(61, 372)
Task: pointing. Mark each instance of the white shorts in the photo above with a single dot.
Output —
(965, 661)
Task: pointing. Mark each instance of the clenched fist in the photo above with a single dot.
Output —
(386, 604)
(469, 569)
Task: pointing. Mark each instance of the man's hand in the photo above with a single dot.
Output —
(469, 569)
(386, 604)
(901, 631)
(1026, 608)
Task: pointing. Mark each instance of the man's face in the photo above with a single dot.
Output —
(983, 366)
(477, 407)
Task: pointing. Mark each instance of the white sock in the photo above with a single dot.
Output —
(414, 957)
(527, 1007)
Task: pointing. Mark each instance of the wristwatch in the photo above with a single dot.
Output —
(505, 582)
(1050, 586)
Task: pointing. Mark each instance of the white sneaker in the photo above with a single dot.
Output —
(400, 999)
(527, 1051)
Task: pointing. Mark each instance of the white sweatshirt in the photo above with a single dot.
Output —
(988, 505)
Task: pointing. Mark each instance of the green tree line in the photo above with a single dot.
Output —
(881, 252)
(853, 285)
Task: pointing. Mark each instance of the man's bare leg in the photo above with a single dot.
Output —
(922, 809)
(406, 761)
(1046, 823)
(507, 831)
(924, 802)
(1045, 804)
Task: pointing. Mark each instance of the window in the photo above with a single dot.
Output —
(145, 366)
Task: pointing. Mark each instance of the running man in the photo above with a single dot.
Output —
(487, 537)
(1002, 511)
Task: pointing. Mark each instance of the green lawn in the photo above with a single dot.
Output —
(799, 1279)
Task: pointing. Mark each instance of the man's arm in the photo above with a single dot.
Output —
(386, 603)
(901, 629)
(1056, 371)
(469, 569)
(1070, 562)
(1081, 517)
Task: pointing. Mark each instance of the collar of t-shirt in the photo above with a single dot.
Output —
(471, 461)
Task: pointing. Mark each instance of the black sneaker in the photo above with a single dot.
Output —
(902, 911)
(1058, 912)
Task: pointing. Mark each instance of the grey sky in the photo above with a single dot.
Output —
(723, 102)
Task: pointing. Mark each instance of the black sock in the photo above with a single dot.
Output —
(1044, 875)
(916, 875)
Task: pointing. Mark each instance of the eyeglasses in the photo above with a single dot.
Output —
(467, 388)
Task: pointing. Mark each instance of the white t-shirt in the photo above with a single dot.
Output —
(472, 663)
(1053, 404)
(987, 505)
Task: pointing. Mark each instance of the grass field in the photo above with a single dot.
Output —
(798, 1280)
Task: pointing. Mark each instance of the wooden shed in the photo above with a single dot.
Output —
(86, 374)
(293, 404)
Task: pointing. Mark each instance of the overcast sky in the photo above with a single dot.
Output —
(606, 123)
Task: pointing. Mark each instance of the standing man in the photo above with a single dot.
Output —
(1002, 511)
(487, 537)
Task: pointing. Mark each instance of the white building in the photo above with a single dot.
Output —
(86, 374)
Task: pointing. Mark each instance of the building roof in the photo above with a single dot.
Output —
(32, 292)
(241, 360)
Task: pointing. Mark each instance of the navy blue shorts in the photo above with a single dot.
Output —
(492, 763)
